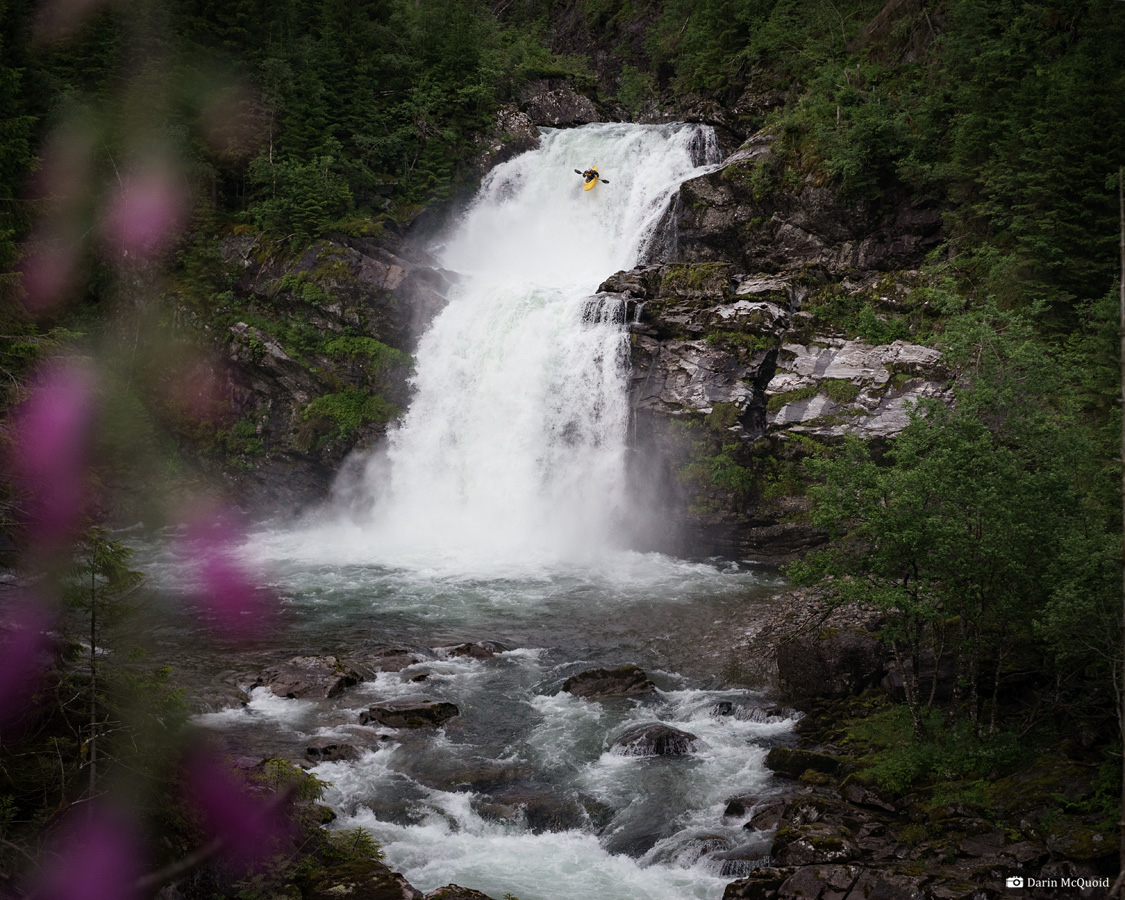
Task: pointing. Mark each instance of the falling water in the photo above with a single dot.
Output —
(514, 444)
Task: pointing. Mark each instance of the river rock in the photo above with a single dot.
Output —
(762, 883)
(308, 678)
(477, 650)
(389, 658)
(794, 763)
(540, 807)
(626, 681)
(321, 750)
(358, 879)
(456, 892)
(410, 714)
(656, 739)
(815, 842)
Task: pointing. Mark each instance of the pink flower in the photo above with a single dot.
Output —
(224, 590)
(97, 860)
(25, 653)
(145, 213)
(248, 822)
(48, 274)
(51, 437)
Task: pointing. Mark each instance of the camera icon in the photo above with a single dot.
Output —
(1014, 881)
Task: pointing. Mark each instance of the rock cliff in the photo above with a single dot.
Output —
(313, 356)
(788, 322)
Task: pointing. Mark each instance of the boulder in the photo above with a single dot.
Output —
(410, 714)
(626, 681)
(656, 739)
(815, 842)
(477, 650)
(761, 884)
(358, 879)
(794, 763)
(538, 806)
(512, 133)
(330, 750)
(819, 882)
(456, 892)
(308, 678)
(560, 108)
(388, 658)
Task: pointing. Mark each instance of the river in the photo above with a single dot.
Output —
(498, 511)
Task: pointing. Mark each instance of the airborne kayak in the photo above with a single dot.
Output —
(590, 184)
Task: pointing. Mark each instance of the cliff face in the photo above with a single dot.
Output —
(314, 355)
(737, 377)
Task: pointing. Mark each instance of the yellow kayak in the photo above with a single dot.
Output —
(589, 185)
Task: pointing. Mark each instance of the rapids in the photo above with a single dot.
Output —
(497, 511)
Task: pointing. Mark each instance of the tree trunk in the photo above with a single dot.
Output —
(1121, 670)
(93, 756)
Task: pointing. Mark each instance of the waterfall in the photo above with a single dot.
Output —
(514, 444)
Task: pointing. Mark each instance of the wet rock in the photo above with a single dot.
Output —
(656, 739)
(308, 678)
(626, 681)
(478, 650)
(216, 699)
(512, 133)
(330, 750)
(794, 763)
(456, 892)
(815, 842)
(819, 882)
(388, 658)
(884, 885)
(767, 815)
(745, 712)
(761, 884)
(539, 807)
(362, 879)
(740, 861)
(410, 714)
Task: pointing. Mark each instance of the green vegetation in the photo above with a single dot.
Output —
(985, 530)
(339, 416)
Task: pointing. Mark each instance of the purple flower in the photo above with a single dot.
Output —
(51, 435)
(224, 590)
(248, 822)
(145, 213)
(25, 653)
(97, 859)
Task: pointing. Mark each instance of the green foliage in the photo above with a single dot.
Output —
(636, 88)
(351, 843)
(974, 520)
(380, 357)
(346, 412)
(945, 758)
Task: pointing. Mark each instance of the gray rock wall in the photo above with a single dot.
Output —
(737, 377)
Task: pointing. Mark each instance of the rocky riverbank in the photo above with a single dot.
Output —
(867, 815)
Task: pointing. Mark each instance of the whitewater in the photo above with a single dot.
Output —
(497, 510)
